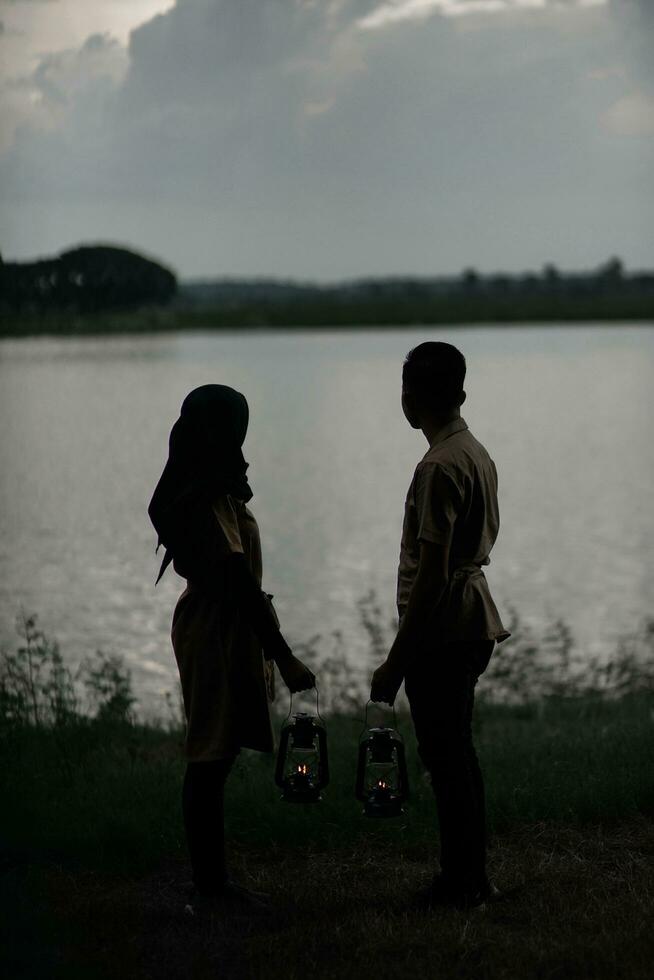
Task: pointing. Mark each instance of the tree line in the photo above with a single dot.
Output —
(609, 292)
(101, 288)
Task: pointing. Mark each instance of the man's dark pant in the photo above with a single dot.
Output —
(440, 687)
(203, 809)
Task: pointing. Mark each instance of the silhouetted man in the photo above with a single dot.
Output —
(448, 620)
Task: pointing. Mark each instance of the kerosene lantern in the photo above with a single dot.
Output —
(382, 782)
(302, 769)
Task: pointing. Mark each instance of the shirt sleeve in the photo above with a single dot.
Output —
(225, 514)
(438, 501)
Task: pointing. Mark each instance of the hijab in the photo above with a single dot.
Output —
(205, 459)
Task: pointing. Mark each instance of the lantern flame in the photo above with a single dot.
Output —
(303, 769)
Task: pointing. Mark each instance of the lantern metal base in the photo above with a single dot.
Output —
(385, 808)
(303, 796)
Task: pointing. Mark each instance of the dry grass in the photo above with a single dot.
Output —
(578, 904)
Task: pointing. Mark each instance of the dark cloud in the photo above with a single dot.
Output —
(277, 137)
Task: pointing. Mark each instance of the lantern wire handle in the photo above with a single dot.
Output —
(290, 707)
(365, 721)
(318, 715)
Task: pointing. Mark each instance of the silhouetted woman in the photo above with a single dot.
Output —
(225, 633)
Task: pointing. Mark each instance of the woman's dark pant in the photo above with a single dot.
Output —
(441, 691)
(203, 809)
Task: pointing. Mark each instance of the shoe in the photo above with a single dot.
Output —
(441, 894)
(231, 898)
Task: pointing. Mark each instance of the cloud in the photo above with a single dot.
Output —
(632, 115)
(278, 137)
(65, 84)
(206, 92)
(398, 11)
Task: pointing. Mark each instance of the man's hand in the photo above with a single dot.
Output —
(295, 674)
(385, 684)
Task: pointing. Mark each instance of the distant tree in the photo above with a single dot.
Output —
(530, 283)
(612, 272)
(552, 280)
(86, 279)
(470, 280)
(500, 284)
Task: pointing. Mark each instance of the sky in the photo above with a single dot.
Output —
(330, 139)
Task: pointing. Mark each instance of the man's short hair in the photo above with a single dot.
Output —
(433, 373)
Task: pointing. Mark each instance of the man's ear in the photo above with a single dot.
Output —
(463, 398)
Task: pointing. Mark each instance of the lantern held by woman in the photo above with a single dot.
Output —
(302, 769)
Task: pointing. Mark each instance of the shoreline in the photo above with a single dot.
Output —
(160, 322)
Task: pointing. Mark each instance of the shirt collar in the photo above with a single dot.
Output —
(456, 425)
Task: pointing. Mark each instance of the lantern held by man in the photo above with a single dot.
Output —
(302, 769)
(382, 782)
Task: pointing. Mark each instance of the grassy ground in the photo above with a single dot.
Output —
(580, 908)
(94, 872)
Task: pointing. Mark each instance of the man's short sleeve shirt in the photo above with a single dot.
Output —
(452, 500)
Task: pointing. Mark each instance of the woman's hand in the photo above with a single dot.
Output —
(295, 674)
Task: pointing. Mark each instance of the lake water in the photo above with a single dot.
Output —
(566, 412)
